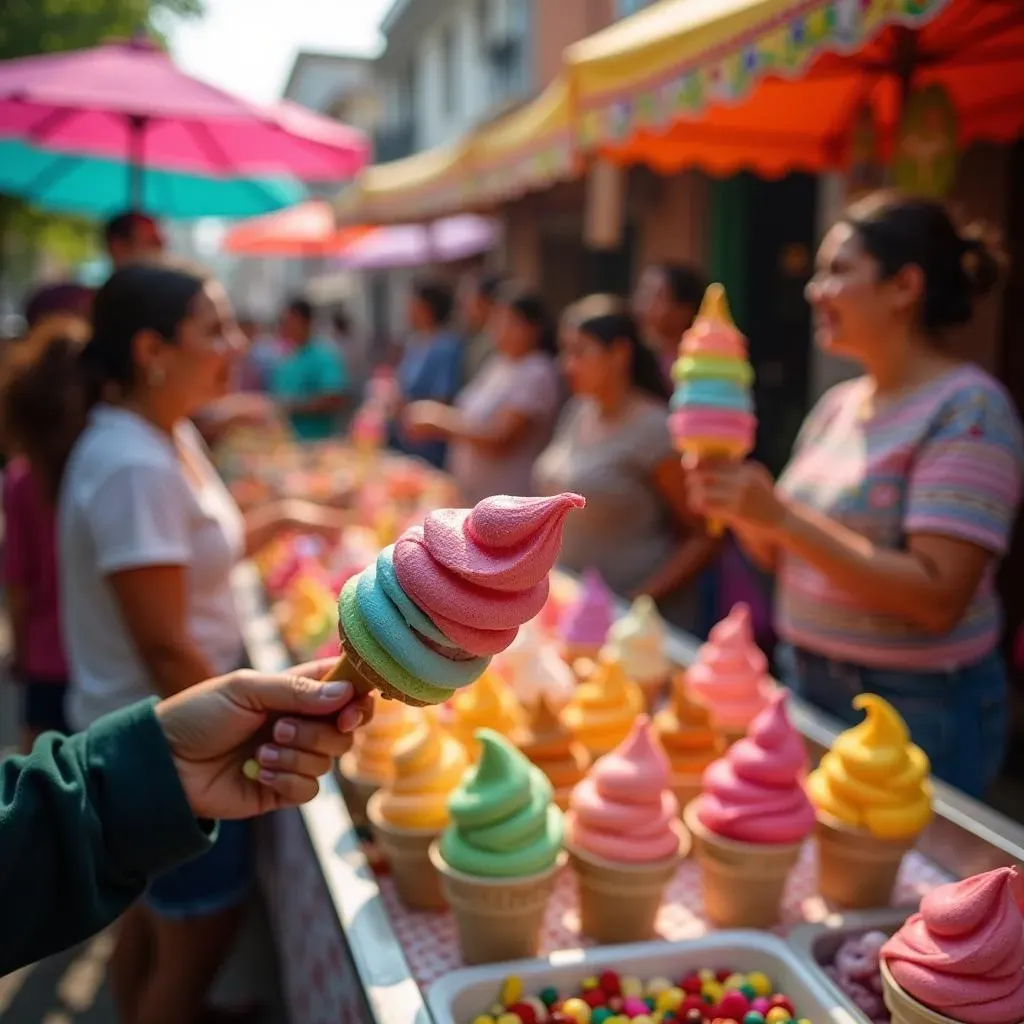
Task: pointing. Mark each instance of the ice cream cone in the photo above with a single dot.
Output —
(686, 788)
(356, 790)
(618, 901)
(408, 854)
(857, 870)
(905, 1009)
(498, 919)
(708, 450)
(742, 883)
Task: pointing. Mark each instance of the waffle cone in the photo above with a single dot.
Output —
(408, 854)
(857, 870)
(357, 671)
(356, 789)
(742, 883)
(905, 1009)
(619, 902)
(498, 918)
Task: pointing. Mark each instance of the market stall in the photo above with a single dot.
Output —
(349, 951)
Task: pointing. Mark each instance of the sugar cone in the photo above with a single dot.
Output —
(742, 883)
(619, 902)
(408, 854)
(356, 790)
(905, 1009)
(498, 919)
(856, 870)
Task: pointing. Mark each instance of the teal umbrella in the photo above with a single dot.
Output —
(99, 188)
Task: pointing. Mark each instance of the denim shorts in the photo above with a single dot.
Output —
(215, 881)
(960, 717)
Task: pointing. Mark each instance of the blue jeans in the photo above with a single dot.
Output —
(960, 718)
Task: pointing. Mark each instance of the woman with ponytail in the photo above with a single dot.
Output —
(612, 445)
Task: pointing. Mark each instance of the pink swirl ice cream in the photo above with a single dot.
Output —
(623, 810)
(730, 675)
(755, 793)
(963, 954)
(587, 619)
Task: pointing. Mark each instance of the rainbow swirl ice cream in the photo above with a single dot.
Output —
(963, 954)
(426, 617)
(623, 811)
(874, 778)
(730, 674)
(504, 824)
(712, 409)
(755, 793)
(587, 619)
(428, 765)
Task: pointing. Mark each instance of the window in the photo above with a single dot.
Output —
(449, 72)
(628, 7)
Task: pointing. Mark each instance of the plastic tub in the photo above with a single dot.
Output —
(462, 995)
(817, 944)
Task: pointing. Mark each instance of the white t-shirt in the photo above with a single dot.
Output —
(126, 503)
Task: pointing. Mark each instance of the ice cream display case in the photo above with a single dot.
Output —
(351, 951)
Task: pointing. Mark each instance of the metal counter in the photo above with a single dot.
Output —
(340, 959)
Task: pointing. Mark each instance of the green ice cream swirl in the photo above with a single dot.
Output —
(504, 824)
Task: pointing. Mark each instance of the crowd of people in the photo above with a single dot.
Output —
(883, 534)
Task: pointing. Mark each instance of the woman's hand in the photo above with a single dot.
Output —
(426, 421)
(212, 729)
(735, 492)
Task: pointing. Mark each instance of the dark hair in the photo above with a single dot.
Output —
(49, 384)
(686, 284)
(488, 286)
(958, 267)
(65, 297)
(302, 308)
(436, 296)
(341, 321)
(607, 320)
(530, 308)
(122, 227)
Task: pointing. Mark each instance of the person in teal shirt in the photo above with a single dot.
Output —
(310, 382)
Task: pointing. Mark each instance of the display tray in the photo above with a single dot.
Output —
(817, 944)
(462, 995)
(430, 941)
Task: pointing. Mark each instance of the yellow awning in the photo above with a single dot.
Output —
(428, 184)
(727, 84)
(530, 148)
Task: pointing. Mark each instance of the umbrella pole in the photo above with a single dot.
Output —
(136, 163)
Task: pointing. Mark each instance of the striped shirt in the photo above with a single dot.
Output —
(946, 459)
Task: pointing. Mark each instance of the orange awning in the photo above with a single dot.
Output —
(307, 230)
(773, 85)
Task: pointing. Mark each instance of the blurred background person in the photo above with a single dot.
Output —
(148, 538)
(503, 419)
(667, 298)
(886, 528)
(431, 364)
(310, 382)
(612, 445)
(132, 236)
(478, 293)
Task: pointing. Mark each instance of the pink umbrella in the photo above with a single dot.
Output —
(127, 101)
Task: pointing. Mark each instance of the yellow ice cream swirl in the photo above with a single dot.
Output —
(874, 778)
(429, 764)
(488, 703)
(373, 745)
(602, 710)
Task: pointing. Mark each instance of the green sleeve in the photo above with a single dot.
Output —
(85, 821)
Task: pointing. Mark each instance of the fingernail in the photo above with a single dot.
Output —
(332, 691)
(285, 732)
(269, 755)
(267, 776)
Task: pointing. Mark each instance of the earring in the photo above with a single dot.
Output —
(155, 376)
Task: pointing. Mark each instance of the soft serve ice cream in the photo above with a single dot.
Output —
(730, 674)
(604, 707)
(533, 668)
(638, 639)
(873, 797)
(624, 838)
(690, 740)
(588, 618)
(487, 704)
(874, 778)
(962, 955)
(550, 746)
(373, 745)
